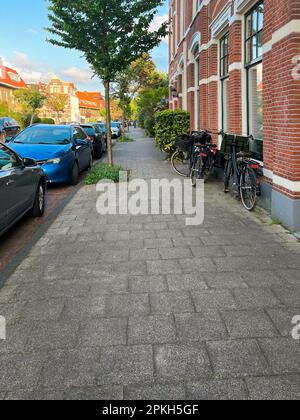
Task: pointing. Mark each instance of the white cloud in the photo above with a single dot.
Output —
(157, 22)
(77, 75)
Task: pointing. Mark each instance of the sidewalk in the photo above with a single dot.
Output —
(144, 307)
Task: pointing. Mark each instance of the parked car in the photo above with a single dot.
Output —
(9, 128)
(116, 131)
(63, 151)
(22, 188)
(97, 138)
(102, 127)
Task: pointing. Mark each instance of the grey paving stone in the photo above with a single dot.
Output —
(246, 263)
(2, 395)
(289, 277)
(20, 371)
(131, 227)
(144, 284)
(262, 278)
(190, 265)
(100, 393)
(182, 362)
(274, 388)
(81, 308)
(115, 236)
(185, 242)
(222, 390)
(163, 267)
(213, 300)
(282, 318)
(249, 324)
(200, 327)
(151, 330)
(12, 311)
(156, 226)
(38, 395)
(157, 243)
(117, 255)
(171, 302)
(144, 254)
(283, 354)
(217, 240)
(53, 335)
(174, 253)
(17, 336)
(103, 332)
(169, 234)
(70, 288)
(229, 280)
(132, 268)
(208, 251)
(44, 310)
(115, 245)
(193, 281)
(289, 296)
(127, 304)
(8, 293)
(142, 235)
(95, 272)
(109, 284)
(255, 298)
(237, 358)
(125, 365)
(70, 368)
(154, 392)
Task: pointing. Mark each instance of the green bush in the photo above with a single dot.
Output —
(47, 121)
(170, 124)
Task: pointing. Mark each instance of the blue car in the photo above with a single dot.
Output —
(62, 151)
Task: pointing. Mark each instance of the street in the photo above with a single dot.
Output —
(144, 307)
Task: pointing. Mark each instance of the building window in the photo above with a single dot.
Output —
(224, 75)
(254, 66)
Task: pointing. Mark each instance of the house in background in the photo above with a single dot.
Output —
(90, 105)
(10, 81)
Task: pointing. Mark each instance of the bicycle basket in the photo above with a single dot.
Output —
(242, 144)
(183, 142)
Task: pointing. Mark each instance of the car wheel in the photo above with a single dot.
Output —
(38, 208)
(99, 153)
(75, 174)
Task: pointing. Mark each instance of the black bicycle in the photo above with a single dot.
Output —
(181, 158)
(203, 156)
(240, 170)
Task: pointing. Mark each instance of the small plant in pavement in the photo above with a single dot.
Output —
(125, 139)
(103, 171)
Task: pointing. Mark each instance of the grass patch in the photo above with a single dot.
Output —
(125, 139)
(103, 171)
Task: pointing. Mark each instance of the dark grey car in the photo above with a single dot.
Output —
(22, 188)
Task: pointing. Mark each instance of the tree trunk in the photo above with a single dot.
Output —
(32, 118)
(108, 123)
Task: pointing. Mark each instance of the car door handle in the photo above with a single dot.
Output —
(10, 182)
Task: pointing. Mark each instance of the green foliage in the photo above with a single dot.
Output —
(125, 139)
(31, 100)
(151, 100)
(170, 124)
(103, 171)
(49, 121)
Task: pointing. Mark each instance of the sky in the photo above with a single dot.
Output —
(24, 46)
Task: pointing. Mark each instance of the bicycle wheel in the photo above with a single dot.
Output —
(180, 162)
(248, 188)
(227, 175)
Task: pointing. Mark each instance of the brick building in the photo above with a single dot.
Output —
(10, 81)
(90, 105)
(235, 64)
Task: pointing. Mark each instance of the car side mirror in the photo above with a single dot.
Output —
(29, 162)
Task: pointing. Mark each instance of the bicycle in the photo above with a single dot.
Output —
(181, 158)
(241, 170)
(203, 157)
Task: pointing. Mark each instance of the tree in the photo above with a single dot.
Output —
(57, 102)
(110, 33)
(32, 99)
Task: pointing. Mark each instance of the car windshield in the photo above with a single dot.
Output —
(89, 131)
(115, 125)
(44, 135)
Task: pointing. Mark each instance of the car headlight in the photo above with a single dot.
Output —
(55, 161)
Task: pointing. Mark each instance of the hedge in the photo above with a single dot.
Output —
(169, 124)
